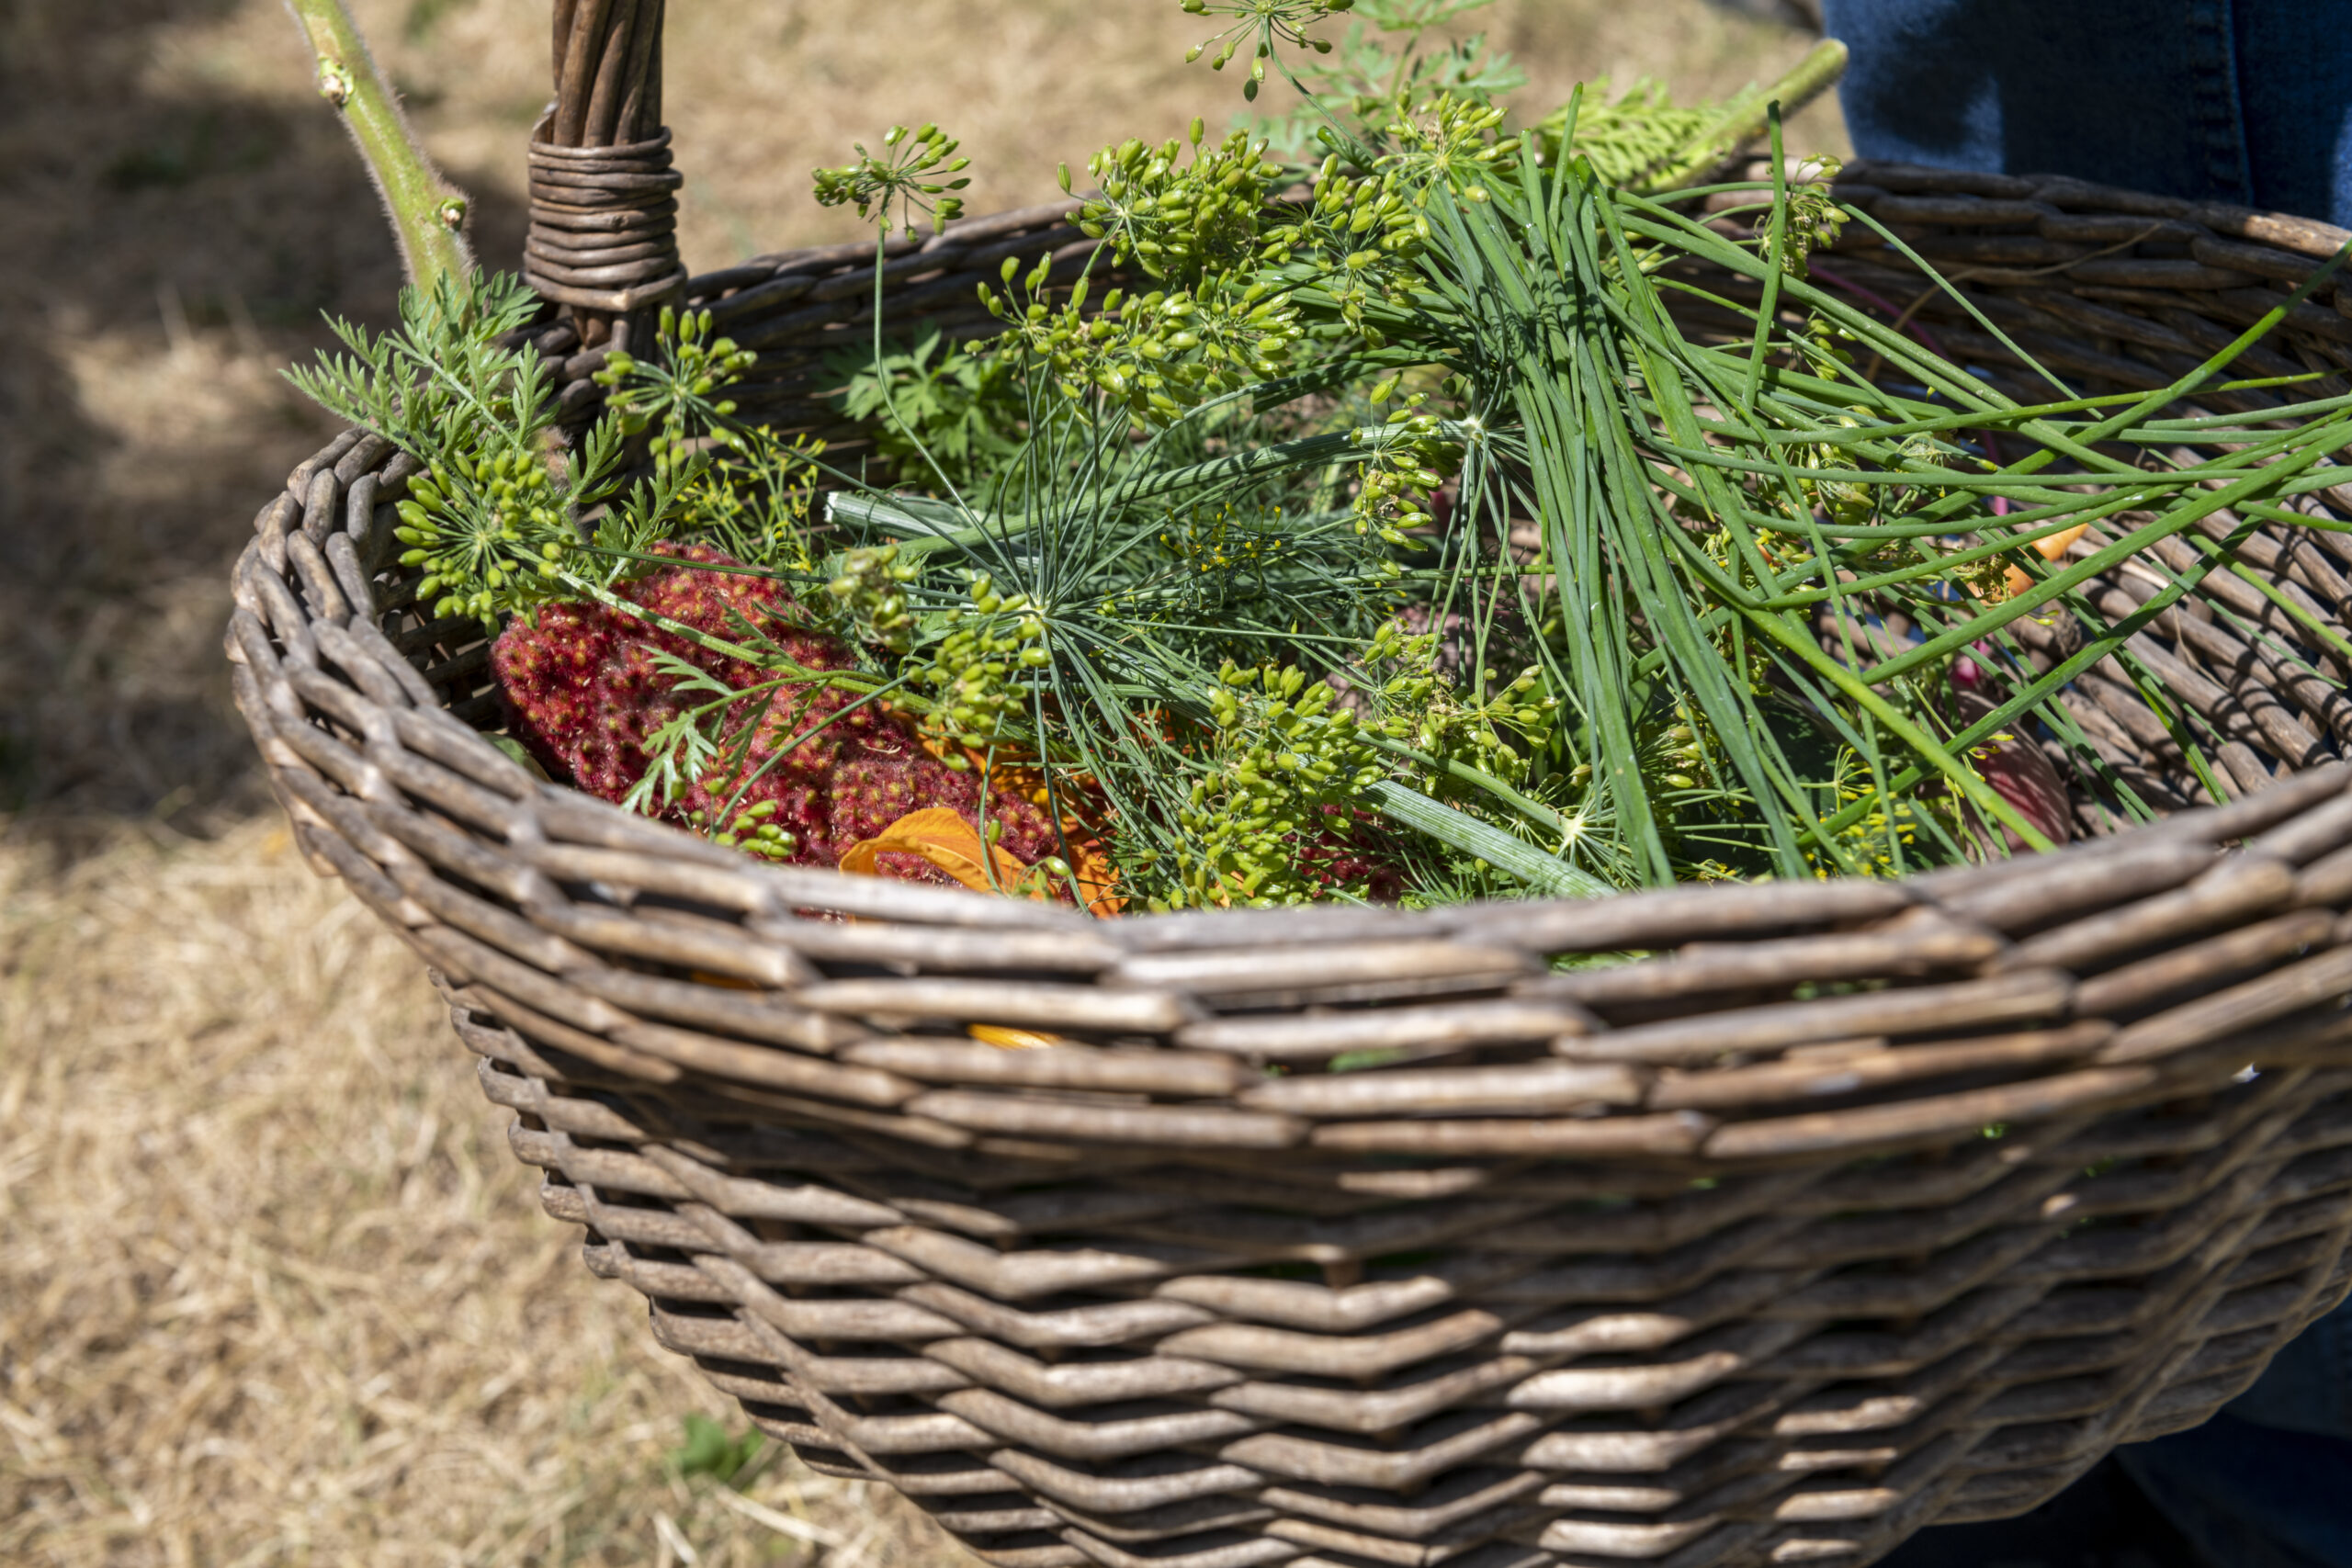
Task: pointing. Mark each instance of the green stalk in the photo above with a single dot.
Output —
(2051, 682)
(2271, 590)
(1746, 117)
(1963, 778)
(1465, 833)
(1775, 255)
(2181, 517)
(427, 213)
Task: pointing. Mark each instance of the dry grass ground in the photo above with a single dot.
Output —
(271, 1289)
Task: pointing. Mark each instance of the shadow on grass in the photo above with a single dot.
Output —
(170, 246)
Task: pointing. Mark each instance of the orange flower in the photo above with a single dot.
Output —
(1005, 1039)
(2052, 548)
(1016, 775)
(940, 835)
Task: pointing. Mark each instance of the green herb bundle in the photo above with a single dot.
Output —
(1384, 531)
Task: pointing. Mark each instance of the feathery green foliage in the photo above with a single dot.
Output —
(488, 519)
(931, 407)
(1394, 55)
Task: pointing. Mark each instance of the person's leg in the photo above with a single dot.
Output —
(2135, 92)
(2216, 100)
(2251, 1496)
(2307, 1385)
(2294, 72)
(2267, 1483)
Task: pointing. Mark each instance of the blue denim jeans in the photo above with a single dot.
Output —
(2243, 101)
(2267, 1483)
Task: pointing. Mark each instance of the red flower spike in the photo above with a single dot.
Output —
(584, 693)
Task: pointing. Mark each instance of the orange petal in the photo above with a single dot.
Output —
(1015, 774)
(2058, 544)
(941, 836)
(1091, 868)
(1005, 1039)
(2052, 548)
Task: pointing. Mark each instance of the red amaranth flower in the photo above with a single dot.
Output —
(583, 692)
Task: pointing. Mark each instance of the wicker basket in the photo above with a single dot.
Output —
(1672, 1262)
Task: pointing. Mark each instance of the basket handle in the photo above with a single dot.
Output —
(603, 233)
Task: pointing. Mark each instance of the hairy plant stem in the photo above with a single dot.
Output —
(1747, 117)
(427, 213)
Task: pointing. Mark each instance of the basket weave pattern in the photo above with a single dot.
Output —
(1707, 1258)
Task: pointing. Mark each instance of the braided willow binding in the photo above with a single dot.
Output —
(604, 213)
(1856, 1207)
